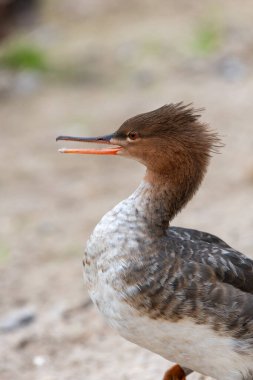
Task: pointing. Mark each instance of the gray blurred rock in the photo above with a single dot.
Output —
(17, 319)
(27, 82)
(231, 68)
(144, 77)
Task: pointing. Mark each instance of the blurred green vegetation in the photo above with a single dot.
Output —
(4, 253)
(207, 38)
(20, 56)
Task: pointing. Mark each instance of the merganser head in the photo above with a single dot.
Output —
(174, 146)
(163, 139)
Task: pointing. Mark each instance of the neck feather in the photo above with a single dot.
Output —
(159, 198)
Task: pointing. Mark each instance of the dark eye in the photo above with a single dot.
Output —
(133, 135)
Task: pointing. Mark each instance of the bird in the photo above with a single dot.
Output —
(181, 293)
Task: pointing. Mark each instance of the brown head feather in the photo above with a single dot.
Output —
(174, 145)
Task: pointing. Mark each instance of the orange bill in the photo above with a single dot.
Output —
(98, 140)
(111, 151)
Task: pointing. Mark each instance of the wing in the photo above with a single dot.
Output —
(195, 235)
(198, 277)
(229, 265)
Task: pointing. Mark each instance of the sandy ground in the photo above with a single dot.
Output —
(50, 203)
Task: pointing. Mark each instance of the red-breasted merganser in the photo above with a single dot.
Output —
(183, 294)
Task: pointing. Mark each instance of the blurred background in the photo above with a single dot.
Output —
(82, 67)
